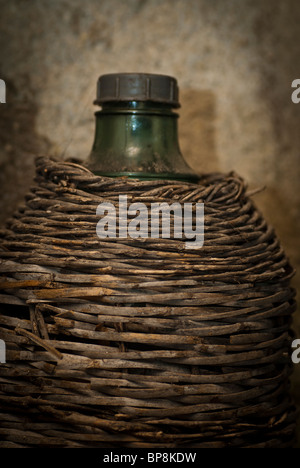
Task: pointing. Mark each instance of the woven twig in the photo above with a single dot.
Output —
(140, 342)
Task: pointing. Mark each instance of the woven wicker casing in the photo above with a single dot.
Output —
(141, 342)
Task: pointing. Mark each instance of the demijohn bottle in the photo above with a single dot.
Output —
(136, 128)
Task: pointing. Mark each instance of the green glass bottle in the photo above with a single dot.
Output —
(136, 129)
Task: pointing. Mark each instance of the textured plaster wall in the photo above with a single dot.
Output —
(234, 60)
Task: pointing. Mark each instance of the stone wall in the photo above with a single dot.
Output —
(234, 60)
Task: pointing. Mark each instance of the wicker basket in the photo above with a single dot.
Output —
(141, 342)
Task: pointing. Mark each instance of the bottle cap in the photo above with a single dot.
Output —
(116, 87)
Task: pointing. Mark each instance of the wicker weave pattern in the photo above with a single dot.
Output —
(139, 342)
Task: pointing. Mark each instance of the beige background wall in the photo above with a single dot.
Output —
(234, 60)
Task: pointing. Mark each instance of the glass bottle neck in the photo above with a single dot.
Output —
(138, 140)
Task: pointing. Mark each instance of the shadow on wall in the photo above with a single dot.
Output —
(197, 129)
(19, 144)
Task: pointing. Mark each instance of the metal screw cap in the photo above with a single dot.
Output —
(115, 87)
